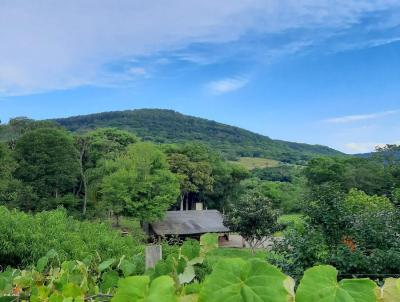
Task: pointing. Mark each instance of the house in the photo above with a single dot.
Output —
(192, 223)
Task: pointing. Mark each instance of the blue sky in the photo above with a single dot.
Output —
(315, 71)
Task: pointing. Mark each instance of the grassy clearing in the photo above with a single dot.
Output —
(290, 221)
(251, 163)
(129, 225)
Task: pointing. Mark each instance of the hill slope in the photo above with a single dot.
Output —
(167, 126)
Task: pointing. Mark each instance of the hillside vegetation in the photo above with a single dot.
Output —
(167, 126)
(251, 163)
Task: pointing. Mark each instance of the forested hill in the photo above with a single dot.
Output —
(167, 126)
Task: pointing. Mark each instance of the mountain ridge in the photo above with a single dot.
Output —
(169, 126)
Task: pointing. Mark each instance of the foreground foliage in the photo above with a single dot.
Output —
(231, 280)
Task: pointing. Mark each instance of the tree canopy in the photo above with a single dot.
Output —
(141, 184)
(254, 218)
(47, 161)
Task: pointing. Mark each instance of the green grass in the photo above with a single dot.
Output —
(296, 219)
(130, 225)
(251, 163)
(291, 218)
(291, 221)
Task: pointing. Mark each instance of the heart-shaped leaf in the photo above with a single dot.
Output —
(320, 284)
(138, 289)
(241, 281)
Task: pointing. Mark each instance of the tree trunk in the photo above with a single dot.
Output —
(252, 245)
(85, 191)
(182, 198)
(187, 202)
(81, 155)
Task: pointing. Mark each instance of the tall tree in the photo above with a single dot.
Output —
(47, 161)
(20, 125)
(94, 147)
(7, 181)
(227, 178)
(254, 218)
(192, 162)
(141, 184)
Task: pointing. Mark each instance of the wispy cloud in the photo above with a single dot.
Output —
(226, 85)
(140, 71)
(360, 117)
(64, 44)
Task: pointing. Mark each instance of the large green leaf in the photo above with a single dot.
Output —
(137, 289)
(319, 284)
(239, 280)
(6, 281)
(360, 289)
(190, 249)
(72, 290)
(162, 289)
(170, 266)
(131, 289)
(110, 280)
(42, 263)
(188, 275)
(189, 298)
(127, 267)
(56, 297)
(391, 290)
(3, 283)
(39, 293)
(106, 264)
(208, 242)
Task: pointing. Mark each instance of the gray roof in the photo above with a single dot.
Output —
(190, 222)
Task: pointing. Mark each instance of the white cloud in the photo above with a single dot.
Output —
(60, 44)
(364, 147)
(226, 85)
(360, 117)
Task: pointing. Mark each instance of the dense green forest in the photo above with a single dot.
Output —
(167, 126)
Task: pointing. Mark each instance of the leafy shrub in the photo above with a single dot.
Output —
(24, 238)
(355, 232)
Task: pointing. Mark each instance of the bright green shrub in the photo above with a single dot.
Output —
(24, 238)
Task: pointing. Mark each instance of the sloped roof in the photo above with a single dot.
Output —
(190, 222)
